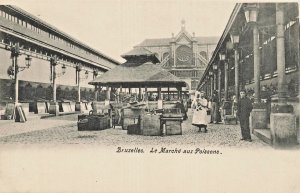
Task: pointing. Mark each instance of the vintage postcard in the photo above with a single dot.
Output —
(149, 96)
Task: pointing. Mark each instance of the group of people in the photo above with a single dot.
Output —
(205, 112)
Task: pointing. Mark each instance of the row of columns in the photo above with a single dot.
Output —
(256, 64)
(53, 109)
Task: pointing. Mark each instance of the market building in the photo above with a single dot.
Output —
(184, 55)
(40, 63)
(259, 52)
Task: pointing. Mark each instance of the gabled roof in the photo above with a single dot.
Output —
(138, 51)
(138, 75)
(140, 54)
(156, 42)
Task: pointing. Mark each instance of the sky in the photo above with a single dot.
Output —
(113, 27)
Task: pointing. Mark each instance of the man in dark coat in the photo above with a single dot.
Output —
(244, 107)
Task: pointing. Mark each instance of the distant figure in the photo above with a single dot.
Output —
(234, 107)
(214, 107)
(244, 107)
(180, 106)
(265, 96)
(199, 106)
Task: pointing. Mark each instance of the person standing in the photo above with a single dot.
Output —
(244, 108)
(199, 106)
(234, 107)
(214, 107)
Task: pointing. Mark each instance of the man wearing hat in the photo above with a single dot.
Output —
(244, 108)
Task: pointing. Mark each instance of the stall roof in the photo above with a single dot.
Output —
(138, 75)
(138, 53)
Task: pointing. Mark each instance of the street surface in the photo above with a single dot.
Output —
(63, 130)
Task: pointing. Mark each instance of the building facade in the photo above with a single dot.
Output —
(54, 58)
(184, 55)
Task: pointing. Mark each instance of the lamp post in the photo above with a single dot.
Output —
(54, 108)
(215, 71)
(235, 38)
(219, 80)
(95, 74)
(53, 63)
(222, 58)
(15, 52)
(211, 74)
(86, 75)
(251, 15)
(15, 68)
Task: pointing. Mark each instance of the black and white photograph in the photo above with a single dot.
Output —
(149, 96)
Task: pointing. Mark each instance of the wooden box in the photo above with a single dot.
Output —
(82, 125)
(129, 121)
(173, 127)
(134, 129)
(150, 125)
(97, 123)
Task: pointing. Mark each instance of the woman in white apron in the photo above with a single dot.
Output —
(200, 107)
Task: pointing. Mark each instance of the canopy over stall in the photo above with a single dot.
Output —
(134, 75)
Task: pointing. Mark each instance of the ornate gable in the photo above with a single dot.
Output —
(183, 39)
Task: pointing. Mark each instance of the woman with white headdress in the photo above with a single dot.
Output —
(200, 107)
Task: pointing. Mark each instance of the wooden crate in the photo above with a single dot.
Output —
(150, 125)
(97, 123)
(82, 125)
(173, 127)
(129, 121)
(134, 129)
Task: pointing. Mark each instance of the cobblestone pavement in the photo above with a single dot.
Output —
(218, 135)
(9, 127)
